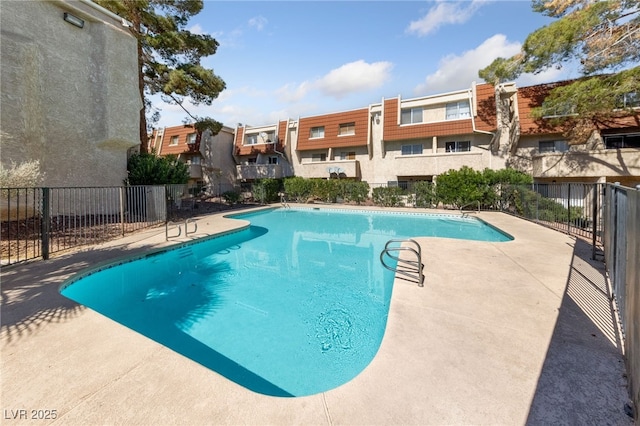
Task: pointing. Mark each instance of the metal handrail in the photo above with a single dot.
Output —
(468, 204)
(166, 231)
(410, 267)
(186, 224)
(283, 201)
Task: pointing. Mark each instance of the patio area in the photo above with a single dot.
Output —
(518, 332)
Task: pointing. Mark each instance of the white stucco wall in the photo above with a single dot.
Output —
(218, 166)
(69, 95)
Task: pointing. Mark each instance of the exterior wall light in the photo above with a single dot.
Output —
(73, 20)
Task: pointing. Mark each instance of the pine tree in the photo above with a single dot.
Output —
(169, 56)
(604, 37)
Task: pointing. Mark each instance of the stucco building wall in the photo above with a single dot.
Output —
(69, 95)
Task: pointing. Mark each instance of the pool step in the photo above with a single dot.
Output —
(185, 252)
(408, 268)
(186, 261)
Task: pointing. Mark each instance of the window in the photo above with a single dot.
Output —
(251, 160)
(174, 140)
(195, 160)
(347, 129)
(457, 110)
(553, 146)
(273, 160)
(631, 140)
(317, 132)
(461, 146)
(267, 137)
(629, 100)
(351, 155)
(411, 115)
(252, 139)
(547, 146)
(191, 138)
(558, 110)
(411, 149)
(318, 157)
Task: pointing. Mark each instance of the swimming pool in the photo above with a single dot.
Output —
(294, 305)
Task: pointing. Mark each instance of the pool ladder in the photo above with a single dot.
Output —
(466, 213)
(186, 228)
(410, 269)
(284, 202)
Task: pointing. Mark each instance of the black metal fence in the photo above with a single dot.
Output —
(574, 208)
(609, 216)
(38, 221)
(622, 257)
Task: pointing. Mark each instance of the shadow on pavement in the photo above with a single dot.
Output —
(583, 379)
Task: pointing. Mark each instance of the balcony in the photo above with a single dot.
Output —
(436, 164)
(609, 162)
(195, 171)
(259, 171)
(326, 169)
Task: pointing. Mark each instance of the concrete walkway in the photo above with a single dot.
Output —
(519, 332)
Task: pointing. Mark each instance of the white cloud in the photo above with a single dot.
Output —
(444, 13)
(551, 74)
(197, 29)
(353, 77)
(258, 22)
(455, 72)
(228, 95)
(292, 92)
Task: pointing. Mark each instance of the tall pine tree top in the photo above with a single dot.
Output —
(603, 37)
(169, 56)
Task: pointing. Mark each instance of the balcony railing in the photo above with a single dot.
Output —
(328, 169)
(435, 164)
(195, 171)
(259, 171)
(610, 162)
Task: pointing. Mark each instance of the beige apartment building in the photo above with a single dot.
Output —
(398, 141)
(209, 157)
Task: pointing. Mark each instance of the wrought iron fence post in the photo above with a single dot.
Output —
(45, 223)
(122, 209)
(594, 226)
(569, 208)
(537, 202)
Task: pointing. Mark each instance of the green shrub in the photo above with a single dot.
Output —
(506, 176)
(231, 197)
(356, 191)
(266, 190)
(424, 194)
(460, 187)
(325, 189)
(148, 169)
(498, 185)
(532, 205)
(388, 196)
(298, 189)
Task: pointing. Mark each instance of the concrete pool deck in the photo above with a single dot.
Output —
(518, 332)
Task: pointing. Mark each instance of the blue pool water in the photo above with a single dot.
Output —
(294, 305)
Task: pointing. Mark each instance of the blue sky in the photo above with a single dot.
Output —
(293, 59)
